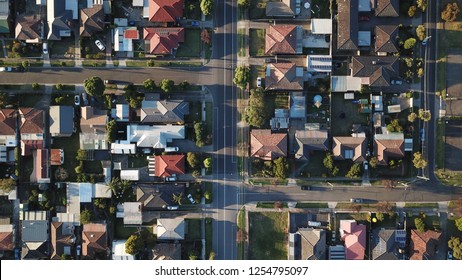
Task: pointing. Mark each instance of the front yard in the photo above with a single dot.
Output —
(257, 42)
(192, 44)
(268, 235)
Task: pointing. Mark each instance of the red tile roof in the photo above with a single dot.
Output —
(163, 40)
(267, 145)
(167, 165)
(388, 148)
(423, 245)
(7, 121)
(59, 240)
(56, 155)
(41, 159)
(6, 241)
(131, 34)
(281, 39)
(31, 120)
(27, 146)
(354, 236)
(94, 239)
(165, 10)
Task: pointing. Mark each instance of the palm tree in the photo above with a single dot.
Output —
(177, 198)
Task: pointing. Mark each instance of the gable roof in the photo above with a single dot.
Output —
(167, 165)
(7, 122)
(60, 242)
(28, 27)
(347, 25)
(354, 236)
(61, 120)
(279, 9)
(166, 251)
(163, 40)
(346, 147)
(170, 229)
(385, 38)
(387, 8)
(284, 76)
(313, 243)
(59, 19)
(379, 70)
(282, 39)
(310, 140)
(93, 121)
(389, 145)
(6, 237)
(423, 245)
(94, 239)
(165, 10)
(35, 250)
(157, 196)
(154, 136)
(267, 145)
(91, 20)
(386, 242)
(164, 111)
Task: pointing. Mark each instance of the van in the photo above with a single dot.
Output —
(45, 48)
(172, 149)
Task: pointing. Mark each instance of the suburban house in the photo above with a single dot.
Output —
(424, 245)
(163, 111)
(91, 20)
(168, 165)
(4, 15)
(283, 39)
(118, 251)
(121, 113)
(166, 251)
(266, 145)
(375, 71)
(308, 141)
(61, 121)
(156, 136)
(7, 238)
(307, 244)
(94, 240)
(132, 213)
(170, 229)
(43, 159)
(124, 36)
(60, 17)
(29, 28)
(388, 244)
(347, 25)
(164, 11)
(388, 146)
(30, 125)
(387, 8)
(354, 236)
(336, 252)
(284, 8)
(162, 40)
(346, 147)
(385, 39)
(35, 235)
(158, 196)
(62, 240)
(283, 77)
(93, 134)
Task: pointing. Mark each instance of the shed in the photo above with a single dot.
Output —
(130, 175)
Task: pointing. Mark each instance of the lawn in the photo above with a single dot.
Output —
(449, 178)
(195, 113)
(268, 235)
(93, 167)
(70, 145)
(62, 63)
(431, 222)
(270, 205)
(315, 166)
(440, 143)
(268, 181)
(63, 48)
(93, 63)
(241, 226)
(421, 205)
(241, 42)
(345, 114)
(192, 44)
(122, 232)
(208, 236)
(257, 9)
(311, 205)
(29, 100)
(257, 42)
(194, 229)
(137, 161)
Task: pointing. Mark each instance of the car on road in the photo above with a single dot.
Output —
(77, 100)
(45, 48)
(356, 200)
(172, 178)
(173, 207)
(6, 69)
(191, 199)
(100, 45)
(305, 188)
(259, 82)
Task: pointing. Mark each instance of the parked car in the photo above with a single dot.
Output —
(79, 249)
(356, 200)
(191, 199)
(194, 23)
(100, 45)
(171, 149)
(172, 178)
(305, 188)
(17, 253)
(108, 82)
(424, 42)
(84, 99)
(449, 255)
(173, 207)
(6, 69)
(259, 82)
(396, 82)
(366, 165)
(45, 48)
(77, 100)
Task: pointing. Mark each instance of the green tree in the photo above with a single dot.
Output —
(81, 154)
(420, 32)
(409, 43)
(241, 76)
(199, 131)
(394, 126)
(422, 4)
(412, 117)
(111, 131)
(25, 64)
(59, 86)
(193, 255)
(243, 3)
(177, 198)
(35, 86)
(94, 86)
(149, 84)
(208, 195)
(167, 85)
(85, 217)
(208, 163)
(365, 89)
(134, 245)
(419, 224)
(354, 171)
(380, 216)
(425, 115)
(281, 167)
(328, 161)
(418, 161)
(184, 85)
(412, 10)
(207, 7)
(373, 162)
(257, 112)
(100, 202)
(211, 256)
(456, 246)
(121, 189)
(451, 12)
(459, 223)
(420, 72)
(193, 160)
(7, 185)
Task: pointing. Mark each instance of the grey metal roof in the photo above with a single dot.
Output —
(164, 111)
(61, 119)
(35, 231)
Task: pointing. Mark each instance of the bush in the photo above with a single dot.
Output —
(451, 12)
(419, 224)
(420, 32)
(411, 11)
(409, 43)
(35, 86)
(150, 63)
(354, 171)
(85, 217)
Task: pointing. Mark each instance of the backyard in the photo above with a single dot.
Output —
(137, 161)
(257, 42)
(70, 145)
(257, 9)
(123, 232)
(268, 235)
(192, 44)
(345, 114)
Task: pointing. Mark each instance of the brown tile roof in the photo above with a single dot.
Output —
(31, 120)
(388, 148)
(283, 76)
(94, 239)
(281, 39)
(379, 69)
(387, 8)
(40, 165)
(347, 25)
(6, 241)
(7, 121)
(167, 165)
(27, 146)
(385, 38)
(423, 245)
(59, 240)
(310, 140)
(56, 155)
(158, 196)
(28, 27)
(267, 145)
(167, 251)
(165, 10)
(163, 40)
(91, 20)
(353, 148)
(93, 121)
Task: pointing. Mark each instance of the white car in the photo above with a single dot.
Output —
(6, 69)
(193, 201)
(77, 100)
(173, 207)
(366, 165)
(45, 48)
(100, 45)
(259, 82)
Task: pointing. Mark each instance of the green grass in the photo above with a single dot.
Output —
(257, 42)
(440, 143)
(268, 181)
(268, 236)
(431, 222)
(209, 116)
(449, 178)
(241, 42)
(70, 145)
(93, 167)
(241, 226)
(324, 10)
(311, 205)
(257, 9)
(315, 166)
(421, 205)
(137, 162)
(62, 63)
(194, 229)
(122, 232)
(208, 236)
(342, 127)
(269, 205)
(93, 63)
(136, 63)
(195, 112)
(191, 47)
(29, 100)
(209, 188)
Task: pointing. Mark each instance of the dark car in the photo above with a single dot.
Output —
(17, 253)
(356, 200)
(306, 188)
(364, 18)
(19, 69)
(108, 82)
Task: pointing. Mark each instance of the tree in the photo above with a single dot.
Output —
(207, 7)
(389, 184)
(167, 85)
(7, 185)
(61, 174)
(85, 217)
(373, 162)
(94, 86)
(100, 203)
(328, 161)
(380, 216)
(409, 43)
(208, 195)
(4, 100)
(241, 76)
(459, 223)
(25, 63)
(121, 189)
(257, 113)
(281, 167)
(456, 246)
(184, 85)
(178, 198)
(451, 12)
(193, 160)
(134, 244)
(111, 131)
(35, 86)
(212, 255)
(419, 224)
(199, 131)
(59, 86)
(81, 154)
(425, 115)
(243, 3)
(418, 161)
(149, 84)
(365, 89)
(193, 255)
(412, 117)
(354, 171)
(208, 163)
(411, 11)
(420, 72)
(394, 126)
(205, 37)
(421, 32)
(422, 4)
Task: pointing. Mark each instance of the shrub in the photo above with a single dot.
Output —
(411, 11)
(409, 43)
